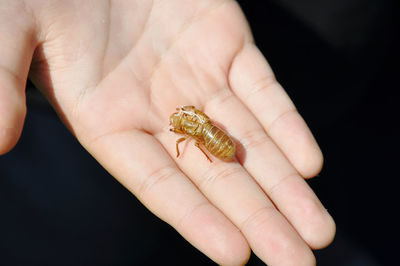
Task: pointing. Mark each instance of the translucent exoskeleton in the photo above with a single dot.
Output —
(193, 123)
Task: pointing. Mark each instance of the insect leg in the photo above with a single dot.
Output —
(176, 130)
(177, 144)
(197, 144)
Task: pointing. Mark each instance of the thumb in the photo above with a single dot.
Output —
(17, 44)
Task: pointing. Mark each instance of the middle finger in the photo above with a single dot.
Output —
(229, 187)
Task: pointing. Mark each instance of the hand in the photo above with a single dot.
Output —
(115, 70)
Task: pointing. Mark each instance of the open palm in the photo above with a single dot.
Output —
(116, 70)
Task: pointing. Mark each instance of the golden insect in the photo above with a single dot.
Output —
(192, 122)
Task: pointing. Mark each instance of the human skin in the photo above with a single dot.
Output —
(115, 70)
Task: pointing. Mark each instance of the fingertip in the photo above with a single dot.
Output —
(12, 116)
(297, 142)
(233, 252)
(212, 233)
(8, 139)
(313, 163)
(326, 235)
(317, 227)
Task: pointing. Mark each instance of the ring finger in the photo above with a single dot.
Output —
(263, 160)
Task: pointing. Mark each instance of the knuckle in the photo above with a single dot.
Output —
(225, 97)
(212, 177)
(272, 190)
(257, 219)
(281, 117)
(218, 98)
(161, 175)
(254, 138)
(262, 85)
(192, 213)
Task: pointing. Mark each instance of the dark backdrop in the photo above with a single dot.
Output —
(338, 60)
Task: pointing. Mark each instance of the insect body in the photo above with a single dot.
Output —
(192, 122)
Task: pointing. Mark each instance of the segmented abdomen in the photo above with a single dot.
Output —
(218, 142)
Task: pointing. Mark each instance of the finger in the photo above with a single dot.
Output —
(140, 163)
(278, 178)
(16, 49)
(236, 194)
(253, 82)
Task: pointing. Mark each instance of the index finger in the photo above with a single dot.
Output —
(253, 81)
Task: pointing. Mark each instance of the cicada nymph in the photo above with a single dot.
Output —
(192, 122)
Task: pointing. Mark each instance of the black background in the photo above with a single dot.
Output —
(337, 59)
